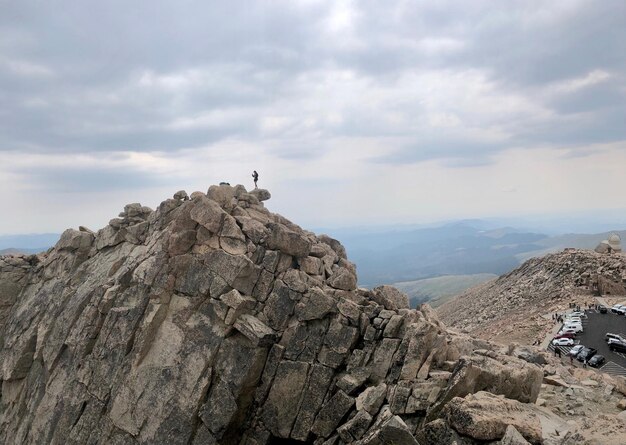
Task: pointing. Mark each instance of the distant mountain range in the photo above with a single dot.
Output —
(12, 251)
(426, 262)
(454, 249)
(30, 243)
(459, 255)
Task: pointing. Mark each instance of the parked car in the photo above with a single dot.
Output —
(575, 350)
(562, 342)
(565, 335)
(596, 361)
(602, 309)
(617, 346)
(586, 354)
(567, 331)
(576, 314)
(610, 338)
(577, 327)
(618, 309)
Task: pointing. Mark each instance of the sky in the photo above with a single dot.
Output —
(353, 112)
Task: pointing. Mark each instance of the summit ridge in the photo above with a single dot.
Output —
(211, 320)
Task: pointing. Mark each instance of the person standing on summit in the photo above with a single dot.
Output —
(255, 176)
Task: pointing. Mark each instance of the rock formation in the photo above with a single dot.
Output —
(213, 321)
(517, 307)
(611, 245)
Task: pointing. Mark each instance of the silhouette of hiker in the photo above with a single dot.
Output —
(255, 176)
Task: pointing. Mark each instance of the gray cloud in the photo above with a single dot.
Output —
(92, 179)
(159, 76)
(457, 151)
(608, 96)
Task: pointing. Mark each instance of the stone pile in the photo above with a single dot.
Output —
(213, 321)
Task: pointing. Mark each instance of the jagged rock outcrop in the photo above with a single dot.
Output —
(484, 416)
(213, 321)
(517, 307)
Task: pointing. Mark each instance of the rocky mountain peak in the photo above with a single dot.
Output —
(211, 320)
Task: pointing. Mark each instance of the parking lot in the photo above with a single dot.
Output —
(595, 326)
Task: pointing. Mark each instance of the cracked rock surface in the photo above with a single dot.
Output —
(211, 320)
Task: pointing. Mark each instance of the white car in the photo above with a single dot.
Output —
(619, 309)
(567, 331)
(562, 342)
(577, 327)
(573, 320)
(611, 338)
(575, 350)
(576, 314)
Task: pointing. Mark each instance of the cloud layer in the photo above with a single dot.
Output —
(142, 97)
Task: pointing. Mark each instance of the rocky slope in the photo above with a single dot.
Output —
(518, 306)
(213, 321)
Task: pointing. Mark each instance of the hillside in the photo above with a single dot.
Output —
(463, 248)
(517, 306)
(436, 291)
(213, 321)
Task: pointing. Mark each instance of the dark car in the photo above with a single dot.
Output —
(602, 309)
(586, 354)
(596, 361)
(618, 346)
(566, 335)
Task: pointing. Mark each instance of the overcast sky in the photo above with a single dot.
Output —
(364, 112)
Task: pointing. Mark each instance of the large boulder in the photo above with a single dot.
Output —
(513, 437)
(261, 194)
(75, 240)
(485, 416)
(390, 297)
(223, 194)
(343, 279)
(502, 375)
(288, 241)
(208, 214)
